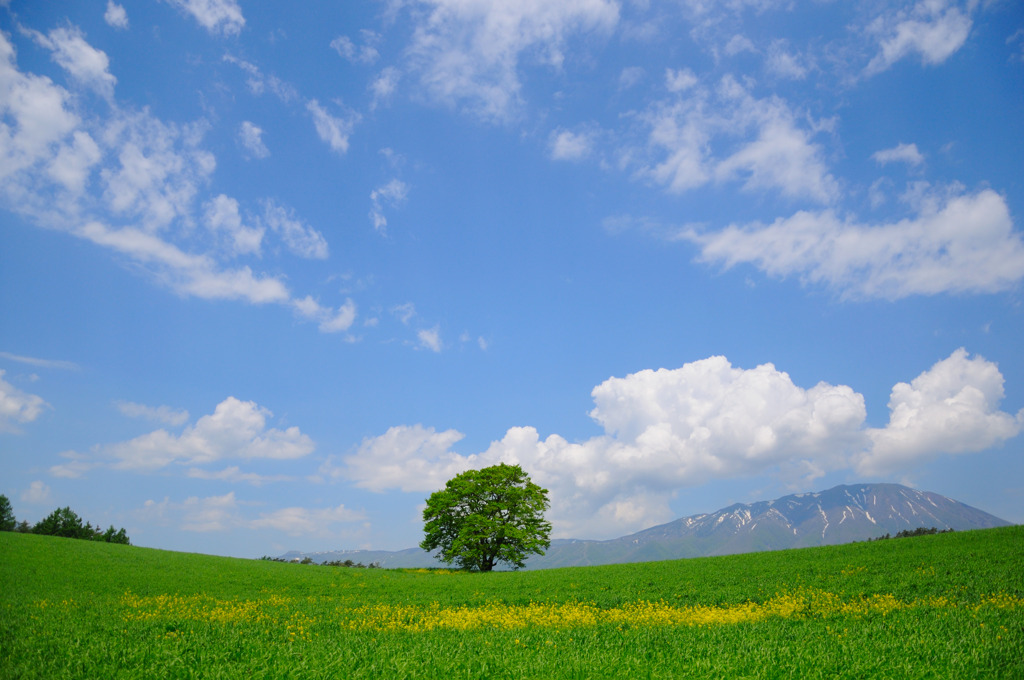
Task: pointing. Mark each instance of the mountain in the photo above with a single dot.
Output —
(842, 514)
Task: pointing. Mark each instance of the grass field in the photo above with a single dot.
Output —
(943, 606)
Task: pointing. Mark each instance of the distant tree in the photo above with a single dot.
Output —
(483, 517)
(65, 522)
(8, 522)
(61, 522)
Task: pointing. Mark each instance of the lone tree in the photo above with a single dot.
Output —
(483, 517)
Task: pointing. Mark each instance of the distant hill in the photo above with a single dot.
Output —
(842, 514)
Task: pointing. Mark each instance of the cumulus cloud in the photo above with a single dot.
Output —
(216, 16)
(663, 430)
(17, 406)
(159, 414)
(964, 243)
(251, 137)
(952, 408)
(236, 429)
(115, 15)
(670, 429)
(410, 458)
(469, 53)
(931, 29)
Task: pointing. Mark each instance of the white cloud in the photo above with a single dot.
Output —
(430, 338)
(679, 80)
(932, 29)
(216, 16)
(780, 155)
(37, 492)
(333, 131)
(410, 458)
(235, 474)
(663, 430)
(251, 137)
(468, 52)
(631, 76)
(115, 15)
(298, 521)
(952, 408)
(17, 406)
(195, 275)
(393, 193)
(159, 414)
(42, 363)
(404, 312)
(300, 238)
(670, 429)
(738, 44)
(364, 54)
(224, 513)
(901, 153)
(83, 62)
(236, 429)
(565, 145)
(213, 513)
(783, 63)
(160, 169)
(330, 320)
(78, 464)
(964, 244)
(384, 85)
(34, 117)
(221, 216)
(129, 182)
(73, 164)
(258, 83)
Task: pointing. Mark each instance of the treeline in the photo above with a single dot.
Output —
(333, 563)
(61, 522)
(908, 533)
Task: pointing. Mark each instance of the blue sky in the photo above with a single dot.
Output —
(269, 277)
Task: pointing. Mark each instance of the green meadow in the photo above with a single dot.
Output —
(940, 606)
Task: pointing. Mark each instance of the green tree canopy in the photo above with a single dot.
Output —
(483, 517)
(7, 519)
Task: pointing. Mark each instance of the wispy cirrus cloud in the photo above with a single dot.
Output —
(132, 183)
(468, 54)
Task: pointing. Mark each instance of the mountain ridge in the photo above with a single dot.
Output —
(842, 514)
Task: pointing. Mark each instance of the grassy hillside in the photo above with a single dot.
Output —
(949, 605)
